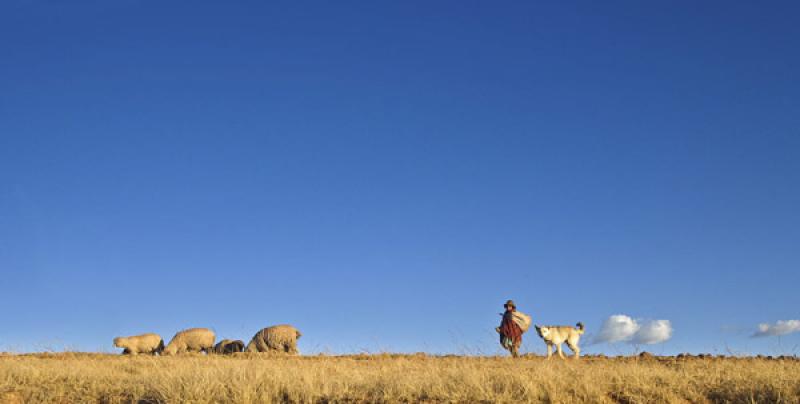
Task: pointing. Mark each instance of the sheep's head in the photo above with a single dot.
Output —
(170, 350)
(119, 341)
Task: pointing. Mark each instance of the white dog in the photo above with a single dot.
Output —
(557, 335)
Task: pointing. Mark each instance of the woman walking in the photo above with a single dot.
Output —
(510, 331)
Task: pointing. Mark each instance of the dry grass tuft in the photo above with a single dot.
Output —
(243, 378)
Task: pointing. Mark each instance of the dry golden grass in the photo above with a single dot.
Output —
(97, 378)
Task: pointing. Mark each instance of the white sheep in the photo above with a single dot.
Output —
(191, 340)
(146, 343)
(278, 338)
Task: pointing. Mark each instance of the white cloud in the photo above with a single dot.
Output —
(782, 327)
(619, 327)
(653, 332)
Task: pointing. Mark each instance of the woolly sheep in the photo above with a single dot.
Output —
(278, 338)
(146, 343)
(227, 346)
(191, 340)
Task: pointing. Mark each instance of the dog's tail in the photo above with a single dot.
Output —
(580, 327)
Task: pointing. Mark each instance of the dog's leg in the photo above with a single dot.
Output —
(549, 350)
(560, 352)
(574, 348)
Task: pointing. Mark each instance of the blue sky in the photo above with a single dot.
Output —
(384, 175)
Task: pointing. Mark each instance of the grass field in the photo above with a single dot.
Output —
(100, 378)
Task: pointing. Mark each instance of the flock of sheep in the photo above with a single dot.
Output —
(278, 338)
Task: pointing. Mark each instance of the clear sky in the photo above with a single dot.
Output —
(384, 175)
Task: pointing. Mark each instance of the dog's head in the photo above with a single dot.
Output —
(542, 331)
